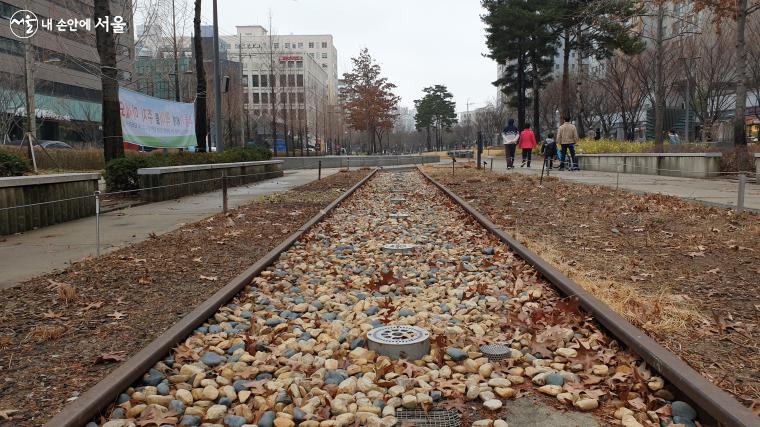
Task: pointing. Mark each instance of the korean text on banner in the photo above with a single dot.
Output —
(155, 122)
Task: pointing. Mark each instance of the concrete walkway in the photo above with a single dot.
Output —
(719, 191)
(36, 252)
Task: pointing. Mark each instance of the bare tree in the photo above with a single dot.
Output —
(618, 81)
(711, 76)
(12, 100)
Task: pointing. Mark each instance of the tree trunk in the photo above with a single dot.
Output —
(564, 107)
(659, 84)
(520, 92)
(536, 100)
(201, 127)
(113, 143)
(427, 139)
(579, 96)
(740, 129)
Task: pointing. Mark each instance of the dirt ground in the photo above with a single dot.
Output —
(687, 274)
(63, 332)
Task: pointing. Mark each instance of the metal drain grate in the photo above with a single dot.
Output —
(496, 352)
(399, 247)
(400, 341)
(433, 418)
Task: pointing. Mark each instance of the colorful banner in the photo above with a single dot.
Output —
(155, 122)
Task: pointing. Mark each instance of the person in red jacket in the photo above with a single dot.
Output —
(527, 143)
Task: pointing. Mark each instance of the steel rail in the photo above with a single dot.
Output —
(102, 394)
(711, 401)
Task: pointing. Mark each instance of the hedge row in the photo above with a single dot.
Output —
(121, 174)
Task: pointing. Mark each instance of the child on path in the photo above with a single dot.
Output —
(527, 144)
(549, 150)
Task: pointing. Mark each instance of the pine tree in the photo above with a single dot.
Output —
(436, 110)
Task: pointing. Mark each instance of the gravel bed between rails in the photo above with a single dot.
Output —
(291, 349)
(62, 332)
(687, 274)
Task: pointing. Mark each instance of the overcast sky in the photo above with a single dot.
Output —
(418, 43)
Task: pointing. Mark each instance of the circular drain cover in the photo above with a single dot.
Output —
(397, 341)
(496, 352)
(399, 247)
(399, 215)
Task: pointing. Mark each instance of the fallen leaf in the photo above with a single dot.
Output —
(118, 356)
(117, 315)
(7, 414)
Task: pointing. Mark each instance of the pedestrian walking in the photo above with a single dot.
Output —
(527, 144)
(549, 150)
(567, 137)
(510, 135)
(673, 137)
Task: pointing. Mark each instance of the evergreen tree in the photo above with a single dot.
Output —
(436, 110)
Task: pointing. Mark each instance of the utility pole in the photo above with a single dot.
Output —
(177, 96)
(217, 85)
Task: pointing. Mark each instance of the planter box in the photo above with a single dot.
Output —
(174, 182)
(687, 165)
(331, 162)
(38, 190)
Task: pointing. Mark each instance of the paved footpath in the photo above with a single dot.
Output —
(36, 252)
(719, 191)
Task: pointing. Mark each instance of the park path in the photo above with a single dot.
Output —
(719, 191)
(29, 254)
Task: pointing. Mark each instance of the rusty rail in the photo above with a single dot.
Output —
(711, 402)
(102, 394)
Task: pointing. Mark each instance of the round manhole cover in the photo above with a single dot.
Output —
(496, 352)
(400, 341)
(399, 247)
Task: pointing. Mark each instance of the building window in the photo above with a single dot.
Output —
(324, 65)
(287, 45)
(300, 45)
(291, 64)
(311, 45)
(245, 80)
(276, 45)
(254, 81)
(264, 82)
(299, 64)
(300, 97)
(255, 97)
(324, 55)
(291, 80)
(283, 80)
(300, 80)
(265, 98)
(324, 45)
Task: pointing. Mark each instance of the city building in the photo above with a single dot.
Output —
(65, 66)
(405, 120)
(291, 81)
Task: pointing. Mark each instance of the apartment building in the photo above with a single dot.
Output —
(65, 66)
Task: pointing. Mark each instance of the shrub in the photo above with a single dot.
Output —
(121, 174)
(89, 159)
(12, 165)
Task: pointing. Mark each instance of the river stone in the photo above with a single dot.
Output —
(212, 359)
(456, 354)
(683, 410)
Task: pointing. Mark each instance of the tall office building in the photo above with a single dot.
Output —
(291, 78)
(65, 67)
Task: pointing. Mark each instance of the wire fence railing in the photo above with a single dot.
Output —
(620, 169)
(225, 182)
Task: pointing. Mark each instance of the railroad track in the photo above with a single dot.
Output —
(286, 341)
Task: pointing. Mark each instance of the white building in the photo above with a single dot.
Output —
(405, 121)
(255, 39)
